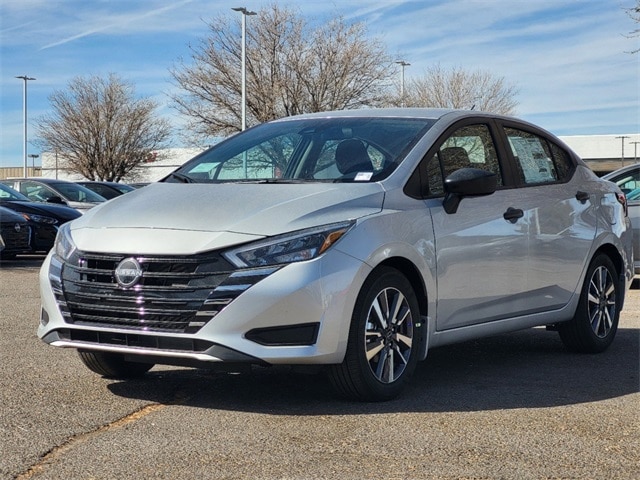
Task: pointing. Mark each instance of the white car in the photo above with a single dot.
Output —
(357, 240)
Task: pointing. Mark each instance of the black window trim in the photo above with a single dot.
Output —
(414, 187)
(502, 125)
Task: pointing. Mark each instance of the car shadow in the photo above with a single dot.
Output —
(528, 369)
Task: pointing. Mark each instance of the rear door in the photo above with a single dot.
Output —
(560, 213)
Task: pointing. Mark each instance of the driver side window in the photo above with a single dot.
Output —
(36, 192)
(468, 147)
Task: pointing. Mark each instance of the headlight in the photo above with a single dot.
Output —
(64, 246)
(39, 218)
(292, 247)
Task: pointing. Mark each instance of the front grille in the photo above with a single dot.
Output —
(15, 240)
(168, 297)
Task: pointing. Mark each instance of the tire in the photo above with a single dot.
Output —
(384, 338)
(595, 322)
(113, 365)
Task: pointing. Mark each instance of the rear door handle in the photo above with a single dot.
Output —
(513, 214)
(582, 197)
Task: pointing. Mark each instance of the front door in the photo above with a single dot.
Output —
(482, 248)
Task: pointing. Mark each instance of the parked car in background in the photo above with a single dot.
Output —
(15, 234)
(44, 218)
(108, 190)
(56, 191)
(357, 240)
(628, 179)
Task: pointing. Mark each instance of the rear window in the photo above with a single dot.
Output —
(537, 159)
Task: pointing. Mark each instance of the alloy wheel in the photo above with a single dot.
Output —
(388, 335)
(601, 301)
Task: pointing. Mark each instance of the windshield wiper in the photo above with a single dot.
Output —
(274, 180)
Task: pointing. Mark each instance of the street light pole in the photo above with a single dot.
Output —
(635, 151)
(402, 64)
(25, 78)
(622, 137)
(244, 12)
(33, 157)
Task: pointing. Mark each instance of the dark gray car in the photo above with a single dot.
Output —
(44, 218)
(52, 190)
(15, 234)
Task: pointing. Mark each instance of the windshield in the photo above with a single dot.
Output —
(7, 193)
(77, 193)
(316, 150)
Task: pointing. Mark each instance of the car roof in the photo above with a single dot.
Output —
(622, 170)
(39, 179)
(432, 113)
(451, 114)
(413, 112)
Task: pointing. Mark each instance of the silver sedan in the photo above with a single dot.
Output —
(357, 240)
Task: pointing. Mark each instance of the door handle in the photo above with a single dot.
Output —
(582, 197)
(513, 214)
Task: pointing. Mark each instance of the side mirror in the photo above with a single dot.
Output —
(56, 199)
(467, 182)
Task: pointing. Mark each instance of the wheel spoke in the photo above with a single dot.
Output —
(382, 364)
(610, 290)
(404, 339)
(396, 305)
(404, 360)
(391, 367)
(608, 321)
(379, 314)
(374, 346)
(596, 321)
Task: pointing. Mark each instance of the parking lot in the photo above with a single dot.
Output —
(510, 406)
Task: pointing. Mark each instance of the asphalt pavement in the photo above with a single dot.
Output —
(511, 406)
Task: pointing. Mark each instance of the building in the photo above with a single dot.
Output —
(604, 153)
(161, 165)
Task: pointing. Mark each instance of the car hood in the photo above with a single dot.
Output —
(168, 218)
(9, 216)
(59, 212)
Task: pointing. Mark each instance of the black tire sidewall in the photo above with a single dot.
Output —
(383, 278)
(577, 334)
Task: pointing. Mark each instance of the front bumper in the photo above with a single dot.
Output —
(297, 314)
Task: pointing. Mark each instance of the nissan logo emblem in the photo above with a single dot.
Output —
(17, 227)
(128, 272)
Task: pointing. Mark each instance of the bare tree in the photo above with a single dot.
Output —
(634, 14)
(458, 88)
(291, 68)
(100, 130)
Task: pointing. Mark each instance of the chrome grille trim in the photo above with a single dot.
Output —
(167, 298)
(174, 294)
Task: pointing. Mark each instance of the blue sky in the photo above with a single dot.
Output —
(568, 58)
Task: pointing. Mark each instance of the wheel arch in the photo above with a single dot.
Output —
(613, 253)
(409, 270)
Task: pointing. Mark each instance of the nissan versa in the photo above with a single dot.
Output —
(357, 240)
